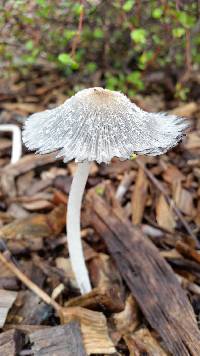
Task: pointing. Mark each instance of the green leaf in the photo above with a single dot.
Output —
(98, 33)
(185, 19)
(29, 45)
(128, 5)
(111, 82)
(157, 13)
(91, 67)
(77, 9)
(41, 2)
(178, 32)
(145, 58)
(135, 78)
(66, 59)
(69, 34)
(139, 36)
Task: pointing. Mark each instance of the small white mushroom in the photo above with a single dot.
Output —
(97, 124)
(16, 140)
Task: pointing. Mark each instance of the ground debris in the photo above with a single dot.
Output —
(139, 277)
(62, 340)
(169, 312)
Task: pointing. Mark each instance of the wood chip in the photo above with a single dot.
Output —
(63, 340)
(186, 110)
(183, 199)
(39, 225)
(142, 342)
(38, 205)
(164, 215)
(11, 343)
(106, 298)
(7, 299)
(149, 278)
(172, 174)
(94, 329)
(192, 141)
(24, 165)
(128, 319)
(139, 197)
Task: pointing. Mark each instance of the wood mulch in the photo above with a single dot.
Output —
(140, 232)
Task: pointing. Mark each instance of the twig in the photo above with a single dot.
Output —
(169, 200)
(32, 286)
(78, 35)
(188, 58)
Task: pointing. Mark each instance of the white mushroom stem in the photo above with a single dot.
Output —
(74, 229)
(16, 141)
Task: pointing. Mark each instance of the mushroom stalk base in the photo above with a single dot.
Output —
(74, 229)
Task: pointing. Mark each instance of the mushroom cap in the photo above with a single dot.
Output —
(97, 124)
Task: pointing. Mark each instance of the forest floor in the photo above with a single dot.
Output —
(140, 230)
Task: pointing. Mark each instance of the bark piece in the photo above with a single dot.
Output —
(11, 343)
(62, 340)
(94, 329)
(7, 299)
(150, 279)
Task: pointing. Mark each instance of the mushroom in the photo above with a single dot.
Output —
(16, 141)
(97, 124)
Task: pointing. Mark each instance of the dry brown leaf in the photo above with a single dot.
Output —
(139, 197)
(164, 215)
(94, 329)
(7, 299)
